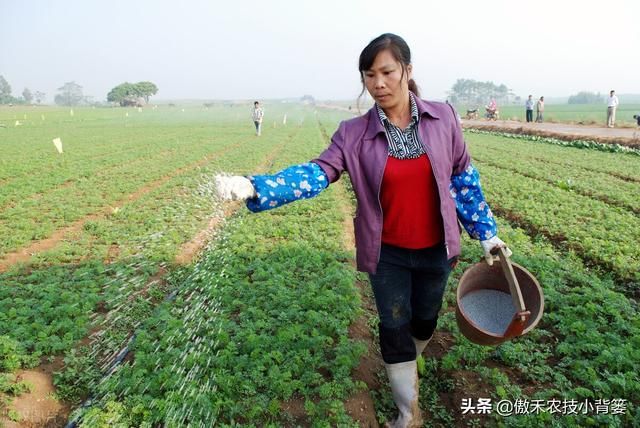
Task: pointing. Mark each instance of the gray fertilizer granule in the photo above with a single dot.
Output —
(491, 310)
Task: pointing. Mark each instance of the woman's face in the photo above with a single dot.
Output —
(385, 81)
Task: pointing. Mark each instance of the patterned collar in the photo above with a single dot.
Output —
(415, 116)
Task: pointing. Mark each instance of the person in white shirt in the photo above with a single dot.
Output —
(612, 104)
(529, 109)
(257, 114)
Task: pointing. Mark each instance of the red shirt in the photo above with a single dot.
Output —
(410, 204)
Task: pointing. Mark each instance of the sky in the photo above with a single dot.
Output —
(247, 49)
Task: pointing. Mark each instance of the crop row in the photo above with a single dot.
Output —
(80, 284)
(576, 143)
(82, 159)
(259, 322)
(585, 347)
(597, 185)
(37, 218)
(28, 150)
(257, 333)
(62, 175)
(623, 165)
(603, 235)
(151, 228)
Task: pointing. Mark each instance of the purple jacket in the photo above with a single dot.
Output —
(359, 146)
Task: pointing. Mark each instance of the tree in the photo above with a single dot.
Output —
(70, 94)
(473, 92)
(27, 95)
(124, 94)
(128, 93)
(146, 89)
(5, 91)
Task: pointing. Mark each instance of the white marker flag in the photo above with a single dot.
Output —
(71, 112)
(284, 120)
(126, 114)
(18, 123)
(58, 143)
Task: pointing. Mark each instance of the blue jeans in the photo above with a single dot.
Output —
(258, 127)
(408, 287)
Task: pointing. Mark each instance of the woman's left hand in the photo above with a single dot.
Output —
(490, 244)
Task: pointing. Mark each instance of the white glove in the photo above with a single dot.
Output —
(234, 187)
(489, 245)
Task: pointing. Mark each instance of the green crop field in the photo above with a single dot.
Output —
(239, 319)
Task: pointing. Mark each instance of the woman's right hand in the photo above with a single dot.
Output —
(234, 187)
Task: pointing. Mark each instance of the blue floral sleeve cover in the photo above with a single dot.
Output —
(296, 182)
(473, 211)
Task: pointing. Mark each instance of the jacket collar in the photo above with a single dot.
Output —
(374, 124)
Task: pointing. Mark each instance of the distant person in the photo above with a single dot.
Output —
(413, 180)
(529, 109)
(493, 106)
(257, 115)
(492, 110)
(612, 104)
(540, 110)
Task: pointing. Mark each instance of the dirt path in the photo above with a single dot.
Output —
(37, 408)
(623, 136)
(360, 405)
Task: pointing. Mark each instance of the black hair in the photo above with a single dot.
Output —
(255, 102)
(398, 48)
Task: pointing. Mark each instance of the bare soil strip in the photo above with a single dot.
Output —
(360, 405)
(37, 408)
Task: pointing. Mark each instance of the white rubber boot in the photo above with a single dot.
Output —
(420, 345)
(403, 378)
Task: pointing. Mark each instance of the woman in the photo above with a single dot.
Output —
(413, 180)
